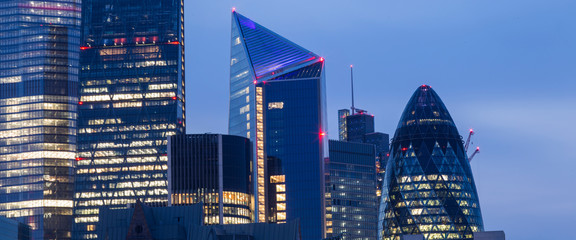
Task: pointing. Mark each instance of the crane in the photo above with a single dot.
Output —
(474, 154)
(468, 145)
(468, 140)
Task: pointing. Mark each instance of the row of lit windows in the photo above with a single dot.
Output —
(108, 161)
(140, 151)
(214, 219)
(37, 147)
(124, 128)
(37, 212)
(237, 211)
(69, 18)
(138, 104)
(21, 184)
(44, 203)
(39, 98)
(133, 144)
(138, 168)
(128, 65)
(124, 50)
(150, 198)
(38, 106)
(430, 177)
(129, 88)
(138, 175)
(136, 135)
(136, 191)
(107, 82)
(37, 122)
(125, 96)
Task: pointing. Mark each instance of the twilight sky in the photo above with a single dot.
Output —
(505, 68)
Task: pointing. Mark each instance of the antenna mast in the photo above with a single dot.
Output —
(352, 87)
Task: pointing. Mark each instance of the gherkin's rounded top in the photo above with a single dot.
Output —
(426, 116)
(425, 108)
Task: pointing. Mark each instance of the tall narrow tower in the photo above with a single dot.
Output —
(428, 188)
(277, 99)
(132, 99)
(39, 48)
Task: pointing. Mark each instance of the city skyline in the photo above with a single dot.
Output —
(504, 69)
(510, 82)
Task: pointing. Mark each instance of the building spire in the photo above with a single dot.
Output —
(352, 87)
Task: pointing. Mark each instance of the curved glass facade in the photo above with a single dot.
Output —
(212, 169)
(428, 188)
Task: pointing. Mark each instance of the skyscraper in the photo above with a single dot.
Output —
(212, 169)
(277, 99)
(352, 189)
(132, 99)
(39, 48)
(428, 188)
(342, 126)
(358, 125)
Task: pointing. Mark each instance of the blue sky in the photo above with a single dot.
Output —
(505, 68)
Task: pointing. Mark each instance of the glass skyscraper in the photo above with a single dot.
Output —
(212, 169)
(352, 182)
(428, 188)
(39, 50)
(277, 100)
(342, 126)
(132, 99)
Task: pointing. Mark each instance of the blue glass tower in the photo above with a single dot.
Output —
(277, 100)
(352, 189)
(39, 51)
(132, 99)
(428, 188)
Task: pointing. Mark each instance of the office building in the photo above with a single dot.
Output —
(277, 100)
(132, 99)
(342, 126)
(13, 230)
(352, 189)
(143, 222)
(39, 48)
(429, 188)
(358, 125)
(212, 169)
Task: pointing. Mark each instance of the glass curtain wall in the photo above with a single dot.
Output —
(39, 52)
(132, 99)
(428, 188)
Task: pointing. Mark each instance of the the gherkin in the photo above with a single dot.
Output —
(428, 188)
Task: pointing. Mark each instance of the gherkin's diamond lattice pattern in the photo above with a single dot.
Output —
(429, 188)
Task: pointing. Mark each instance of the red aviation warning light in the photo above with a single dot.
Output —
(80, 103)
(321, 59)
(174, 98)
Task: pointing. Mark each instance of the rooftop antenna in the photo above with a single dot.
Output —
(352, 87)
